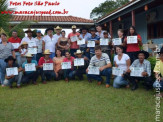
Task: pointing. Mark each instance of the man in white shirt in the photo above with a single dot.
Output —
(100, 32)
(58, 32)
(49, 42)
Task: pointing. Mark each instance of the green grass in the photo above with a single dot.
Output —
(76, 101)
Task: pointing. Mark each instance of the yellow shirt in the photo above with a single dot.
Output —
(159, 67)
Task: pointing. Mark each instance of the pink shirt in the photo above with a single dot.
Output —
(73, 44)
(69, 60)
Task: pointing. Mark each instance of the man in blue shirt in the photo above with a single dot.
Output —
(95, 38)
(30, 75)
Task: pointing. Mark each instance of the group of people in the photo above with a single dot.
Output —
(94, 47)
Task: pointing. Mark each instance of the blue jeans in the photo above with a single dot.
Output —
(119, 81)
(27, 77)
(158, 84)
(69, 73)
(2, 70)
(17, 78)
(18, 58)
(105, 72)
(52, 55)
(47, 75)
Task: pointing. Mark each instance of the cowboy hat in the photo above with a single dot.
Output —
(146, 54)
(161, 51)
(58, 28)
(78, 52)
(47, 52)
(24, 43)
(29, 55)
(50, 28)
(29, 30)
(73, 27)
(10, 58)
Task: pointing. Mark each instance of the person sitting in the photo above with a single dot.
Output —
(101, 60)
(68, 73)
(141, 62)
(158, 69)
(29, 75)
(46, 74)
(10, 63)
(122, 61)
(23, 51)
(57, 64)
(80, 70)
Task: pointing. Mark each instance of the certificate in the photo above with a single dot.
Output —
(117, 71)
(47, 66)
(30, 67)
(32, 50)
(16, 45)
(81, 42)
(74, 39)
(93, 70)
(79, 62)
(104, 41)
(91, 44)
(12, 71)
(66, 65)
(32, 44)
(132, 40)
(117, 41)
(136, 71)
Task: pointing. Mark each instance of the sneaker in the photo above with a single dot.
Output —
(99, 83)
(107, 85)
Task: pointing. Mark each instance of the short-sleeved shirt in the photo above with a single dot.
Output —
(104, 60)
(101, 35)
(159, 67)
(39, 44)
(23, 65)
(42, 60)
(6, 50)
(27, 39)
(57, 36)
(73, 44)
(146, 65)
(50, 43)
(122, 63)
(86, 37)
(133, 47)
(14, 65)
(69, 60)
(15, 40)
(96, 38)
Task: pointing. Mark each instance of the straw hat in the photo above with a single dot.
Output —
(74, 27)
(24, 43)
(58, 28)
(47, 52)
(29, 55)
(78, 52)
(29, 30)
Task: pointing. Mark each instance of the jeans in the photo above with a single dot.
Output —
(133, 56)
(79, 73)
(2, 70)
(69, 73)
(30, 76)
(52, 55)
(158, 84)
(38, 56)
(72, 51)
(17, 78)
(47, 75)
(119, 81)
(18, 58)
(106, 72)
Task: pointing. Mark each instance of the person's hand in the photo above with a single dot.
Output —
(80, 38)
(128, 71)
(87, 70)
(144, 74)
(139, 39)
(11, 76)
(101, 68)
(87, 50)
(41, 66)
(158, 78)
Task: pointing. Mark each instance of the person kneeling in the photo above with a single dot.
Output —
(11, 78)
(30, 70)
(46, 74)
(102, 61)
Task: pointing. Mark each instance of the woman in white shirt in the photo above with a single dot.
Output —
(122, 61)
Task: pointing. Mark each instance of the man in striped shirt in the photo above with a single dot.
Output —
(102, 61)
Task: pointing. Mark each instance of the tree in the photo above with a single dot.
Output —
(107, 7)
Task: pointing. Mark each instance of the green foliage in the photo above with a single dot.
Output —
(152, 60)
(107, 7)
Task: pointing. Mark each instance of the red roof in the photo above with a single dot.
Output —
(51, 19)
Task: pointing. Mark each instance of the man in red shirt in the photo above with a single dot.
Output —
(73, 37)
(45, 71)
(15, 40)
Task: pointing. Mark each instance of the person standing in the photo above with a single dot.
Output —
(58, 32)
(100, 32)
(73, 37)
(49, 42)
(6, 50)
(15, 40)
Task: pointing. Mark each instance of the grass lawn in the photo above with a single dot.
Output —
(76, 101)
